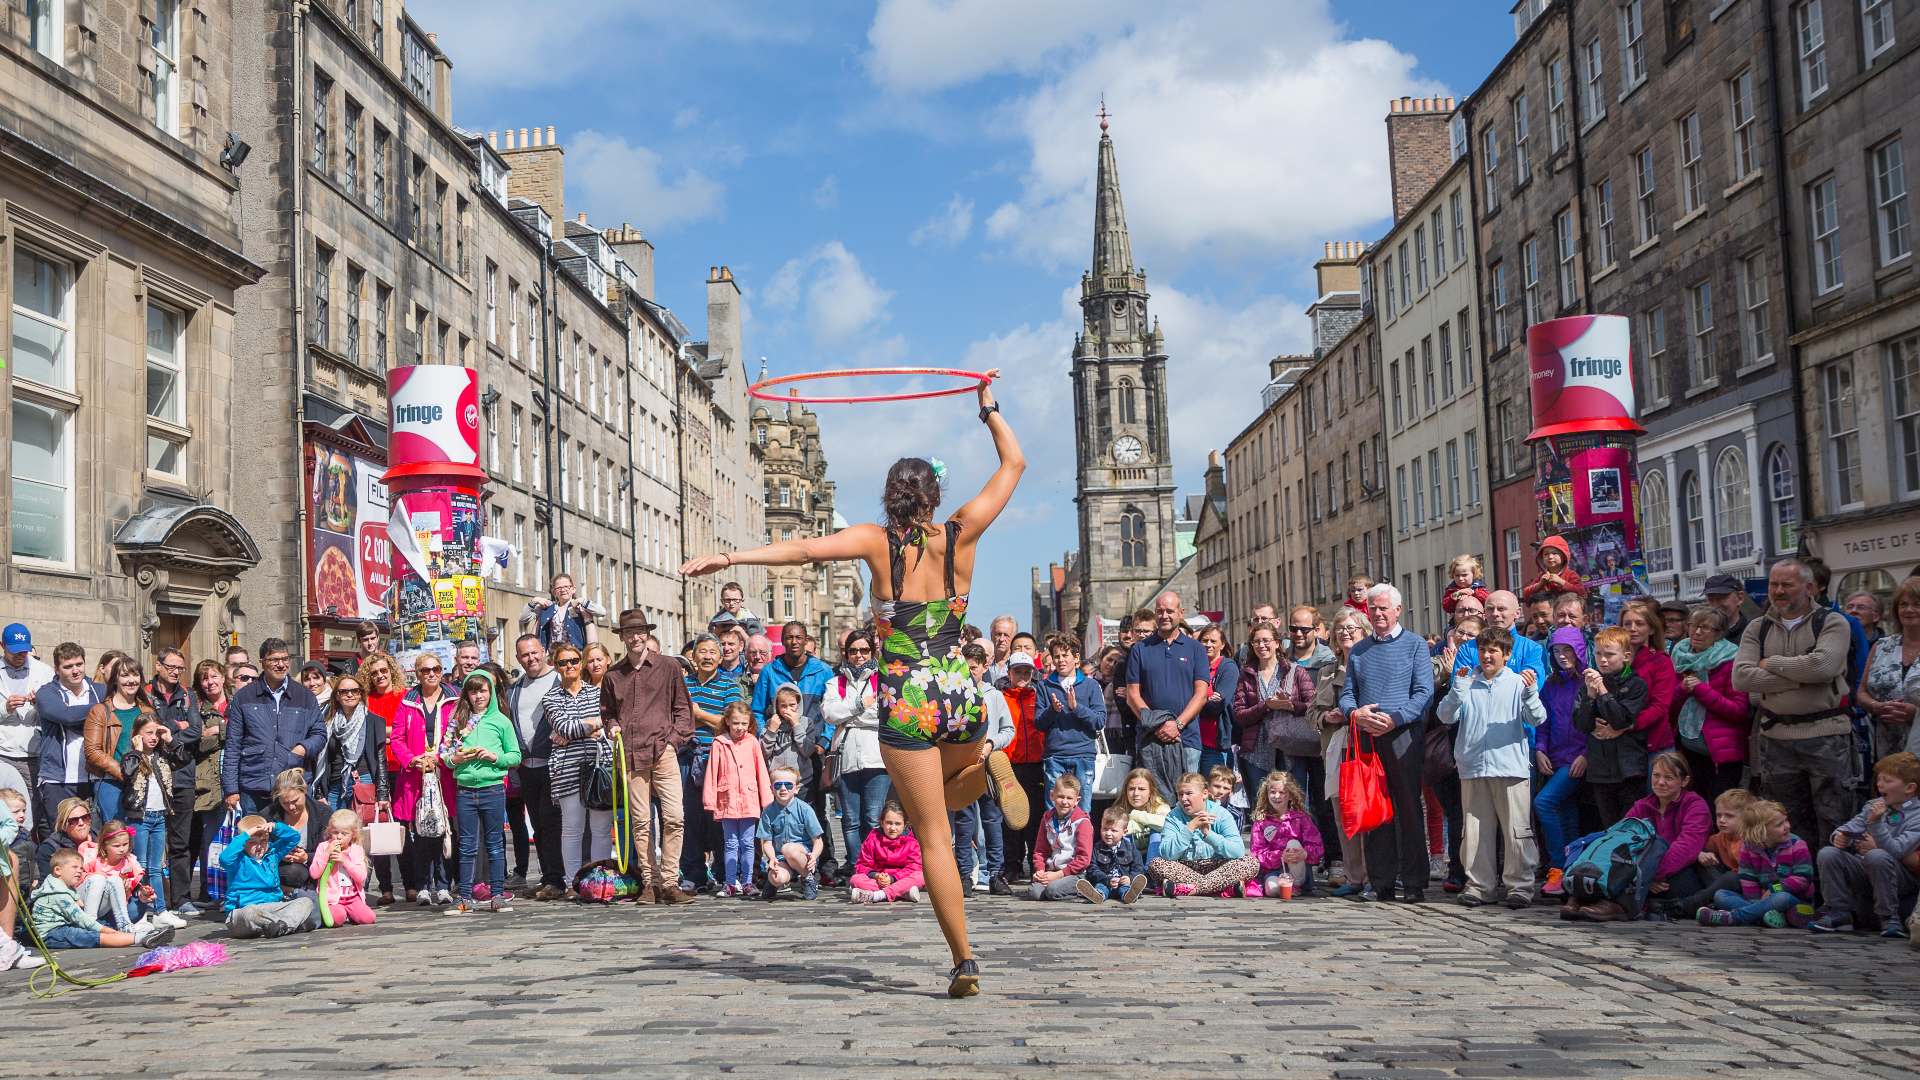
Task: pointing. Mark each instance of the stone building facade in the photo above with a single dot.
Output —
(1212, 553)
(1266, 481)
(120, 265)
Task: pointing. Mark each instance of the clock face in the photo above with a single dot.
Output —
(1127, 450)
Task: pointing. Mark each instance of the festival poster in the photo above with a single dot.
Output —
(1601, 481)
(349, 558)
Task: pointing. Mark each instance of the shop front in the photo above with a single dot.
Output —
(1872, 551)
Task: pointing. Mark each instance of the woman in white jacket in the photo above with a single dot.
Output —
(851, 708)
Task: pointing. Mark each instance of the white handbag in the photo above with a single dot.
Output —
(1109, 770)
(387, 837)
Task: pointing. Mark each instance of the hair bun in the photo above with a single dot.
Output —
(911, 494)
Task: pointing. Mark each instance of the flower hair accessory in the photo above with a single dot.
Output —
(939, 471)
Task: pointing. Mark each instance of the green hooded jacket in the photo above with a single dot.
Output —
(490, 730)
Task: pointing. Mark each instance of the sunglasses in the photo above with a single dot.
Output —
(1299, 629)
(426, 671)
(571, 661)
(783, 785)
(79, 817)
(244, 679)
(859, 652)
(348, 690)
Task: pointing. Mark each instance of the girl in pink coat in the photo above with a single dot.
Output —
(339, 868)
(889, 864)
(735, 791)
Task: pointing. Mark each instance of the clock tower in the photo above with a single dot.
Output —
(1124, 468)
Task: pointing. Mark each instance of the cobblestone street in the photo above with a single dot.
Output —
(1311, 988)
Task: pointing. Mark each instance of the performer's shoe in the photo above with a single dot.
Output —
(1006, 790)
(965, 981)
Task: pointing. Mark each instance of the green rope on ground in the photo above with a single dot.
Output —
(51, 980)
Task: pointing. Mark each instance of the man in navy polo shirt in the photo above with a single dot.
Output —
(1168, 672)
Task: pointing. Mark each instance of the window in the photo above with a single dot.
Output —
(1563, 256)
(1756, 340)
(322, 293)
(440, 219)
(350, 146)
(1400, 496)
(1502, 330)
(1466, 348)
(1420, 256)
(1406, 278)
(1439, 247)
(493, 302)
(1446, 361)
(786, 599)
(1433, 479)
(1646, 217)
(1810, 42)
(163, 79)
(1653, 329)
(1458, 201)
(1133, 537)
(1426, 372)
(1124, 402)
(41, 490)
(460, 236)
(1876, 27)
(1693, 193)
(1520, 133)
(514, 433)
(1843, 434)
(513, 323)
(1456, 137)
(1419, 494)
(1593, 66)
(536, 474)
(1633, 43)
(1733, 505)
(1393, 376)
(1490, 161)
(1603, 252)
(382, 322)
(1473, 468)
(356, 285)
(47, 29)
(322, 91)
(1530, 280)
(379, 25)
(417, 201)
(1700, 334)
(1656, 523)
(1556, 105)
(1453, 476)
(1511, 538)
(1903, 363)
(1509, 434)
(1823, 211)
(1890, 202)
(377, 184)
(1693, 521)
(1746, 135)
(1786, 507)
(166, 389)
(1393, 293)
(418, 64)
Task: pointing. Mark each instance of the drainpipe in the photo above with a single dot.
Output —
(549, 431)
(1783, 209)
(626, 421)
(299, 284)
(1494, 446)
(680, 471)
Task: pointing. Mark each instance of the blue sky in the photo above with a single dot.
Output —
(909, 183)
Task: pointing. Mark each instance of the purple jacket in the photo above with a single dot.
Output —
(1558, 738)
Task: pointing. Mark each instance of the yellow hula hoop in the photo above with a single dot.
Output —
(622, 820)
(45, 982)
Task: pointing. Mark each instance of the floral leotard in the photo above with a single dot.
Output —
(927, 693)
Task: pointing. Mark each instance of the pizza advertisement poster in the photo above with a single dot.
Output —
(349, 568)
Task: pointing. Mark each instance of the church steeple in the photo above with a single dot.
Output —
(1112, 250)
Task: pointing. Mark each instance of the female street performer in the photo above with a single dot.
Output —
(931, 720)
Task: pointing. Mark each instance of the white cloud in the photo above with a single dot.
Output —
(826, 195)
(947, 227)
(921, 45)
(614, 180)
(828, 288)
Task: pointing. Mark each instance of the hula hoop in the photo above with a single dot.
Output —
(622, 820)
(759, 389)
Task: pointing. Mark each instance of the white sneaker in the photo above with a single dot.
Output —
(913, 893)
(152, 936)
(145, 924)
(168, 918)
(28, 960)
(426, 898)
(443, 897)
(981, 886)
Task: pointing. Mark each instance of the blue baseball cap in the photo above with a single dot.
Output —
(16, 638)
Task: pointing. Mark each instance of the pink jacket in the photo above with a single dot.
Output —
(129, 871)
(1728, 721)
(349, 874)
(1268, 839)
(1685, 827)
(1663, 686)
(737, 785)
(899, 856)
(409, 738)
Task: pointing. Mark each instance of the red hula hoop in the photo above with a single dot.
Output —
(760, 389)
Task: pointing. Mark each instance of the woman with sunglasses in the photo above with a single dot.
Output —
(419, 720)
(72, 826)
(851, 706)
(572, 707)
(931, 719)
(209, 808)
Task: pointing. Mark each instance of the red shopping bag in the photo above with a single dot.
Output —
(1364, 805)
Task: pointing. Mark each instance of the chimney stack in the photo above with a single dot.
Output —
(1339, 270)
(1418, 147)
(537, 174)
(637, 250)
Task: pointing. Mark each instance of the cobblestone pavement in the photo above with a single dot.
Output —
(1309, 988)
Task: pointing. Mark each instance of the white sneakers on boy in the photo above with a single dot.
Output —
(443, 897)
(168, 918)
(147, 935)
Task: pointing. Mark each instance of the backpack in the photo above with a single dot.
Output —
(1618, 865)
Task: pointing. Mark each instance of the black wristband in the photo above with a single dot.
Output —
(988, 410)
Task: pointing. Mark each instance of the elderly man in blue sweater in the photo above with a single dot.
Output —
(1389, 683)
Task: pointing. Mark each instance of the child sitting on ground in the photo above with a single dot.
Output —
(1681, 819)
(117, 884)
(254, 903)
(11, 882)
(340, 869)
(889, 864)
(1064, 845)
(1284, 837)
(1863, 863)
(21, 846)
(62, 923)
(1611, 697)
(790, 838)
(1113, 869)
(1776, 874)
(737, 788)
(1464, 578)
(1201, 853)
(1719, 860)
(1146, 813)
(1222, 781)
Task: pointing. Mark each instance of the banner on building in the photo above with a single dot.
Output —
(348, 556)
(433, 422)
(1580, 375)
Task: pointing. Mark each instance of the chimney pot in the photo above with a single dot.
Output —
(493, 139)
(551, 141)
(523, 138)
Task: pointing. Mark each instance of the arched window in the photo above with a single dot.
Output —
(1733, 504)
(1124, 406)
(1133, 537)
(1780, 494)
(1693, 521)
(1656, 523)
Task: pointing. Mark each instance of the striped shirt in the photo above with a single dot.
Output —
(712, 696)
(569, 714)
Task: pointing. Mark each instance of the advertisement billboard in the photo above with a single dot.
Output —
(1580, 375)
(433, 418)
(349, 559)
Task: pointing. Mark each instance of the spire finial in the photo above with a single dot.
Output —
(1103, 114)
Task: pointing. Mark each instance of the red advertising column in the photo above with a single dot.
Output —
(1580, 374)
(434, 480)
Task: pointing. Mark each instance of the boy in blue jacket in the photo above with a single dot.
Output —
(1114, 871)
(255, 905)
(1071, 711)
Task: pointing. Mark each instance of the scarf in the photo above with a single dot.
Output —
(347, 734)
(1701, 665)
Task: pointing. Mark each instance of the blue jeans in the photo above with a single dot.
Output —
(1191, 754)
(1749, 912)
(1557, 806)
(696, 836)
(150, 849)
(863, 795)
(985, 816)
(737, 843)
(71, 937)
(483, 813)
(1053, 768)
(108, 797)
(1210, 758)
